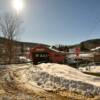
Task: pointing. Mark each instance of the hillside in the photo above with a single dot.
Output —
(84, 45)
(28, 44)
(87, 45)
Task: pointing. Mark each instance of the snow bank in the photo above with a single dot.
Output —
(56, 77)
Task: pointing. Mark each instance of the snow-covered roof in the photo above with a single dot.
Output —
(86, 55)
(97, 48)
(81, 55)
(55, 50)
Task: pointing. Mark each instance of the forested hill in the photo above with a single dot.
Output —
(87, 45)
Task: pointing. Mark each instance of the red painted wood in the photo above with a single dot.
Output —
(54, 56)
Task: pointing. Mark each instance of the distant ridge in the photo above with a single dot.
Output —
(90, 44)
(87, 45)
(84, 45)
(30, 44)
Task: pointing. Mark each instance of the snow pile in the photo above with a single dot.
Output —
(55, 77)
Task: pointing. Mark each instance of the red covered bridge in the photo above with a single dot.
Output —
(40, 54)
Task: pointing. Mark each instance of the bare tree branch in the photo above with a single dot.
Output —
(9, 26)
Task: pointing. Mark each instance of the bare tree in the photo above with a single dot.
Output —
(10, 25)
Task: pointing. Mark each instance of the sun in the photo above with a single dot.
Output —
(18, 5)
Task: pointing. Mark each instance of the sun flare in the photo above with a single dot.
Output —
(18, 5)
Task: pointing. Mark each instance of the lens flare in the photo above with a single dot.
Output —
(18, 5)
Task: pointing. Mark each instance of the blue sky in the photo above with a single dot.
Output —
(58, 21)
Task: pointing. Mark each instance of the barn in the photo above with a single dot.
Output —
(43, 54)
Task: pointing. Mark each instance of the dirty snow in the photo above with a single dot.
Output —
(55, 77)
